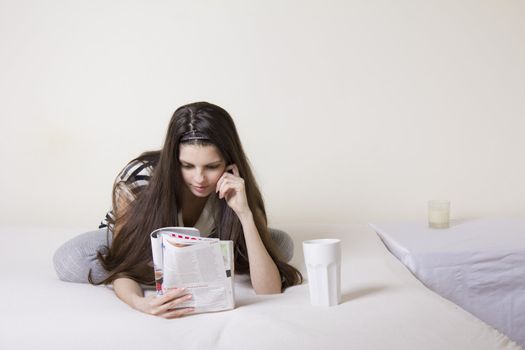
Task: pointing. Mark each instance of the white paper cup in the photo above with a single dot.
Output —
(323, 264)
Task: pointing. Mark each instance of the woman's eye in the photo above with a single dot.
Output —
(213, 167)
(187, 166)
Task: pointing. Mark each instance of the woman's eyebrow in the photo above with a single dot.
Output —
(217, 162)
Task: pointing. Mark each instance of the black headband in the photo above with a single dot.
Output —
(193, 135)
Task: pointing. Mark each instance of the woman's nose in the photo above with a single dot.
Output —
(199, 176)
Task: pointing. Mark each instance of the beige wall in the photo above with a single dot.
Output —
(350, 111)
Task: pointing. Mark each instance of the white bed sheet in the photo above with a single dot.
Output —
(383, 307)
(478, 264)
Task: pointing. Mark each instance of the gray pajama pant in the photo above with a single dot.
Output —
(76, 257)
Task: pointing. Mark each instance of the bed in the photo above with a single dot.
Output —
(479, 264)
(383, 306)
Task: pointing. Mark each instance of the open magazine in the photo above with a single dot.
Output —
(204, 266)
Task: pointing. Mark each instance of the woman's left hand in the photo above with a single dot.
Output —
(231, 188)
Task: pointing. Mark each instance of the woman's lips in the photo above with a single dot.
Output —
(200, 188)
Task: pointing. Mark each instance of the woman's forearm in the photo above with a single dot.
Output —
(264, 274)
(129, 292)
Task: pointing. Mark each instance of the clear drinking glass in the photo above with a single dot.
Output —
(439, 214)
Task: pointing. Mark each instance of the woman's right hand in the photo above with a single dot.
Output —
(165, 305)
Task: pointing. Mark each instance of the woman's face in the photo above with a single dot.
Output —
(201, 167)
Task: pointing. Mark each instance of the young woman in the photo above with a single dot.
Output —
(200, 178)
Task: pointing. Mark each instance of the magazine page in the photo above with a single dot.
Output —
(200, 268)
(229, 267)
(186, 233)
(204, 266)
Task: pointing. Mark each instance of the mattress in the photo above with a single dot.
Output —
(478, 264)
(383, 306)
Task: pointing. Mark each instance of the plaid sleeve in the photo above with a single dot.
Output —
(128, 184)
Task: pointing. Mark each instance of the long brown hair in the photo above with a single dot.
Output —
(159, 202)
